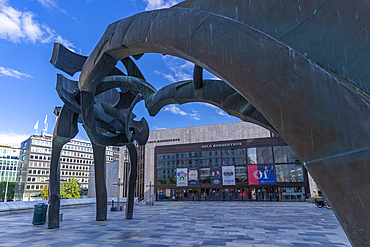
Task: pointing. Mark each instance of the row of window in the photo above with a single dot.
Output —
(71, 173)
(37, 179)
(38, 172)
(8, 162)
(241, 156)
(283, 172)
(8, 168)
(9, 179)
(78, 161)
(7, 174)
(39, 157)
(65, 166)
(71, 147)
(39, 164)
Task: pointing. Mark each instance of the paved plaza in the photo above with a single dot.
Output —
(257, 224)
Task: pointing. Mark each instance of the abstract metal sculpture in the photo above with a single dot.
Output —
(298, 68)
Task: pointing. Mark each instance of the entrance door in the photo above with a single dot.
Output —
(227, 195)
(270, 194)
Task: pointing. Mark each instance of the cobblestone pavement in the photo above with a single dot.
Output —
(254, 224)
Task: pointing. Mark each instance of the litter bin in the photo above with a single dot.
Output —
(39, 214)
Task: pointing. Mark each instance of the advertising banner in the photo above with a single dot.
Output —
(261, 174)
(182, 177)
(216, 176)
(193, 177)
(228, 175)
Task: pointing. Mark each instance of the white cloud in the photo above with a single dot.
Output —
(13, 73)
(222, 113)
(159, 4)
(181, 70)
(218, 110)
(12, 139)
(175, 110)
(17, 26)
(51, 5)
(195, 115)
(157, 128)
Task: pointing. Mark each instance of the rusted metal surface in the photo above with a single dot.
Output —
(299, 68)
(320, 111)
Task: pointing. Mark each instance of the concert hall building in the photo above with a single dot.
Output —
(223, 162)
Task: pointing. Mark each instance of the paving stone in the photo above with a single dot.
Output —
(186, 224)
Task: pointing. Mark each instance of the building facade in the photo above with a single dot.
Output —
(234, 161)
(34, 164)
(9, 157)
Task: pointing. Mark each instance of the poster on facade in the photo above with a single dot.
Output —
(193, 177)
(228, 175)
(182, 177)
(261, 174)
(216, 176)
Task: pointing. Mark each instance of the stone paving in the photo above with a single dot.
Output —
(257, 224)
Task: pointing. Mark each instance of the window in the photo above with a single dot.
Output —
(187, 159)
(289, 173)
(166, 160)
(167, 176)
(209, 158)
(234, 157)
(260, 155)
(205, 175)
(284, 154)
(241, 174)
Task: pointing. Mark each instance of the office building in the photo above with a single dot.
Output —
(34, 164)
(9, 157)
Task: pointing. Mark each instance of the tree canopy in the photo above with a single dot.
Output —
(69, 190)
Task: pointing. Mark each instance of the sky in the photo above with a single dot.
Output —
(28, 30)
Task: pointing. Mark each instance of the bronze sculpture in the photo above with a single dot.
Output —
(296, 68)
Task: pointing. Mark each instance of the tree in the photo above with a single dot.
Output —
(10, 194)
(45, 192)
(69, 190)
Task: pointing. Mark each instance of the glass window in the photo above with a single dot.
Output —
(241, 174)
(284, 154)
(205, 175)
(187, 159)
(210, 158)
(166, 160)
(167, 176)
(232, 157)
(259, 155)
(289, 173)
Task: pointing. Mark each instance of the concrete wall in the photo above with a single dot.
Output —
(111, 176)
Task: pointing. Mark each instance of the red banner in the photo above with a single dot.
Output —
(253, 175)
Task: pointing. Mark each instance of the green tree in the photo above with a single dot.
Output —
(10, 194)
(69, 190)
(45, 192)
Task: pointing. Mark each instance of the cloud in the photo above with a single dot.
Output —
(12, 139)
(157, 128)
(181, 70)
(218, 110)
(17, 26)
(13, 73)
(176, 110)
(51, 5)
(159, 4)
(194, 115)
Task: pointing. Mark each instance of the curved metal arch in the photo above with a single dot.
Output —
(320, 117)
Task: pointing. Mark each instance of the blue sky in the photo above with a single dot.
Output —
(28, 29)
